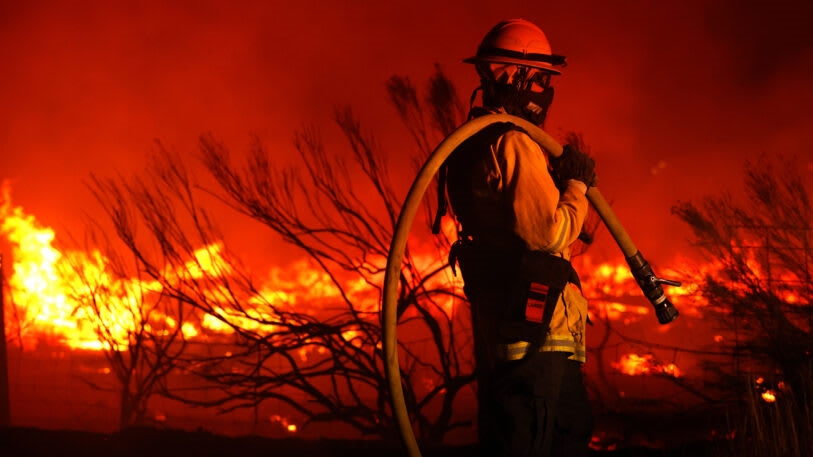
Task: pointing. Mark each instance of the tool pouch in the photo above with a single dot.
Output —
(542, 279)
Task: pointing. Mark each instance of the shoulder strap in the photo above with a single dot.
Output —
(493, 131)
(441, 211)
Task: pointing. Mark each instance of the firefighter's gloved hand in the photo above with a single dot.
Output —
(574, 164)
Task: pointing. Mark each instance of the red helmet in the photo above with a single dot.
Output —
(520, 42)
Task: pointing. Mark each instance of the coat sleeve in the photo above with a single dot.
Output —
(544, 218)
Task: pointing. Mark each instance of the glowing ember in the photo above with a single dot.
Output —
(767, 391)
(289, 427)
(599, 442)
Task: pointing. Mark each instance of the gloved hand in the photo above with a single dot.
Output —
(574, 164)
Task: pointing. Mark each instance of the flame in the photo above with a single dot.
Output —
(37, 289)
(634, 364)
(611, 288)
(49, 289)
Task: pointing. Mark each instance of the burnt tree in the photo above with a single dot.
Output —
(140, 328)
(339, 208)
(760, 294)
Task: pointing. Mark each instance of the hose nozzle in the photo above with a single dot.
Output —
(651, 287)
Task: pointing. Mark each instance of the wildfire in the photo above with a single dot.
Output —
(50, 291)
(49, 288)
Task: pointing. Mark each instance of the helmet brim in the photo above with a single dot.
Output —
(545, 66)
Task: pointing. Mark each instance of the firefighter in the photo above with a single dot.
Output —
(518, 212)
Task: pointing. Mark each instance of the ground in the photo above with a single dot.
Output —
(31, 442)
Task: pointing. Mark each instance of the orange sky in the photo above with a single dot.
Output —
(671, 96)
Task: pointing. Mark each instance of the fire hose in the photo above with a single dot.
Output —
(642, 272)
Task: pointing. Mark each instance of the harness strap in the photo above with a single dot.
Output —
(442, 204)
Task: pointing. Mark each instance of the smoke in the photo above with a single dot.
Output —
(671, 97)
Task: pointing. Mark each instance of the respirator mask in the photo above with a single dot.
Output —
(524, 94)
